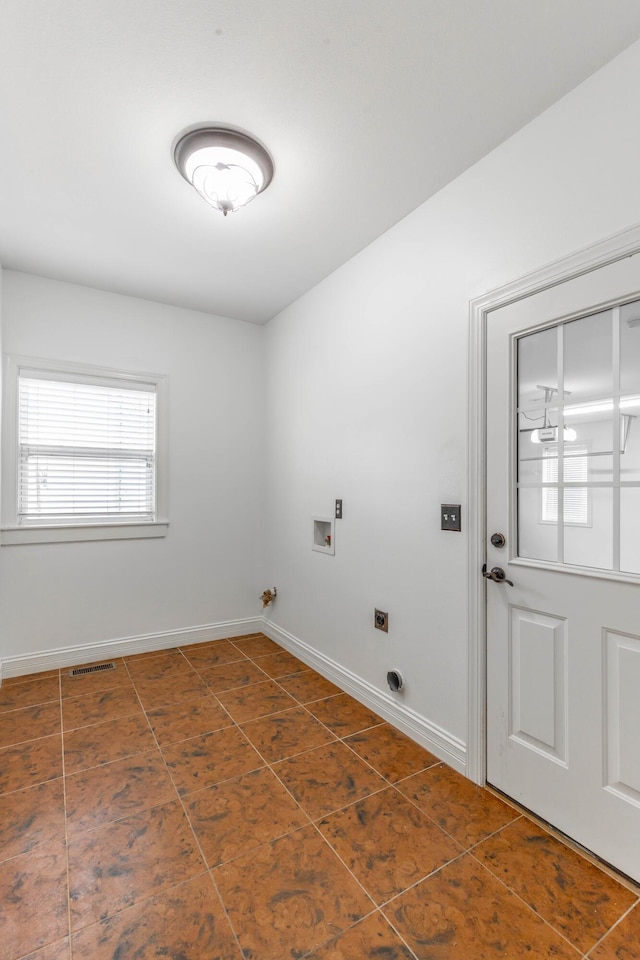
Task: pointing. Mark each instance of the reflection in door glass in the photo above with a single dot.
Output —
(630, 390)
(537, 391)
(589, 543)
(630, 350)
(630, 529)
(578, 441)
(630, 447)
(537, 364)
(577, 502)
(537, 540)
(588, 364)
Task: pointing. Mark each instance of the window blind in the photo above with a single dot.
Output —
(87, 449)
(576, 499)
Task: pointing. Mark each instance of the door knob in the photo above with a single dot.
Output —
(496, 574)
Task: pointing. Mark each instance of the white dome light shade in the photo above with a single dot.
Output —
(227, 168)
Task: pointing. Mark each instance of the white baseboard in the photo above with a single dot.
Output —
(443, 744)
(125, 646)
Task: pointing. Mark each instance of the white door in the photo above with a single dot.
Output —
(563, 487)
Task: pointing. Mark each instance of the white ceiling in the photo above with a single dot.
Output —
(367, 106)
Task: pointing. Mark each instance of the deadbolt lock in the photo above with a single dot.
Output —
(498, 539)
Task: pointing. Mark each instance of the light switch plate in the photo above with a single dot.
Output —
(450, 516)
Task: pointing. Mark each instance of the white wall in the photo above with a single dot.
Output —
(367, 391)
(366, 388)
(1, 375)
(207, 569)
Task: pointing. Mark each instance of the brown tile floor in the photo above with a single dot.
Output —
(224, 802)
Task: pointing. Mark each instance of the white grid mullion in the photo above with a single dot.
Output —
(615, 426)
(560, 422)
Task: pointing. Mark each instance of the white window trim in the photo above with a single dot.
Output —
(11, 532)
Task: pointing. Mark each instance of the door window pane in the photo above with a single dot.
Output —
(537, 365)
(591, 544)
(630, 355)
(588, 358)
(630, 529)
(576, 499)
(536, 540)
(578, 441)
(537, 400)
(630, 448)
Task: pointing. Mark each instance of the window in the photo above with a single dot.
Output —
(576, 499)
(86, 445)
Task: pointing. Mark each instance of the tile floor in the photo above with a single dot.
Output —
(222, 801)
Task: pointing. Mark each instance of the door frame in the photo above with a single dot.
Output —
(586, 260)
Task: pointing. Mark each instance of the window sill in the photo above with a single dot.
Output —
(11, 536)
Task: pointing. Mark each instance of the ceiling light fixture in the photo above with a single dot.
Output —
(226, 167)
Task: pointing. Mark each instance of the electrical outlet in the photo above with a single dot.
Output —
(338, 509)
(381, 621)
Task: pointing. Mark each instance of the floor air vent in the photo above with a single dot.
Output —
(98, 668)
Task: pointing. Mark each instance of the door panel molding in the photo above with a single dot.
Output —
(621, 663)
(538, 648)
(584, 261)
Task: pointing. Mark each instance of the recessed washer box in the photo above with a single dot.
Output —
(323, 539)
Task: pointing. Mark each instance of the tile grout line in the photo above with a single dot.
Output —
(212, 695)
(97, 723)
(267, 676)
(28, 706)
(612, 928)
(468, 851)
(108, 823)
(208, 695)
(517, 816)
(387, 783)
(353, 733)
(29, 786)
(84, 696)
(399, 935)
(66, 830)
(528, 906)
(269, 765)
(431, 820)
(435, 822)
(585, 855)
(355, 752)
(495, 833)
(444, 866)
(21, 743)
(193, 832)
(463, 852)
(312, 822)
